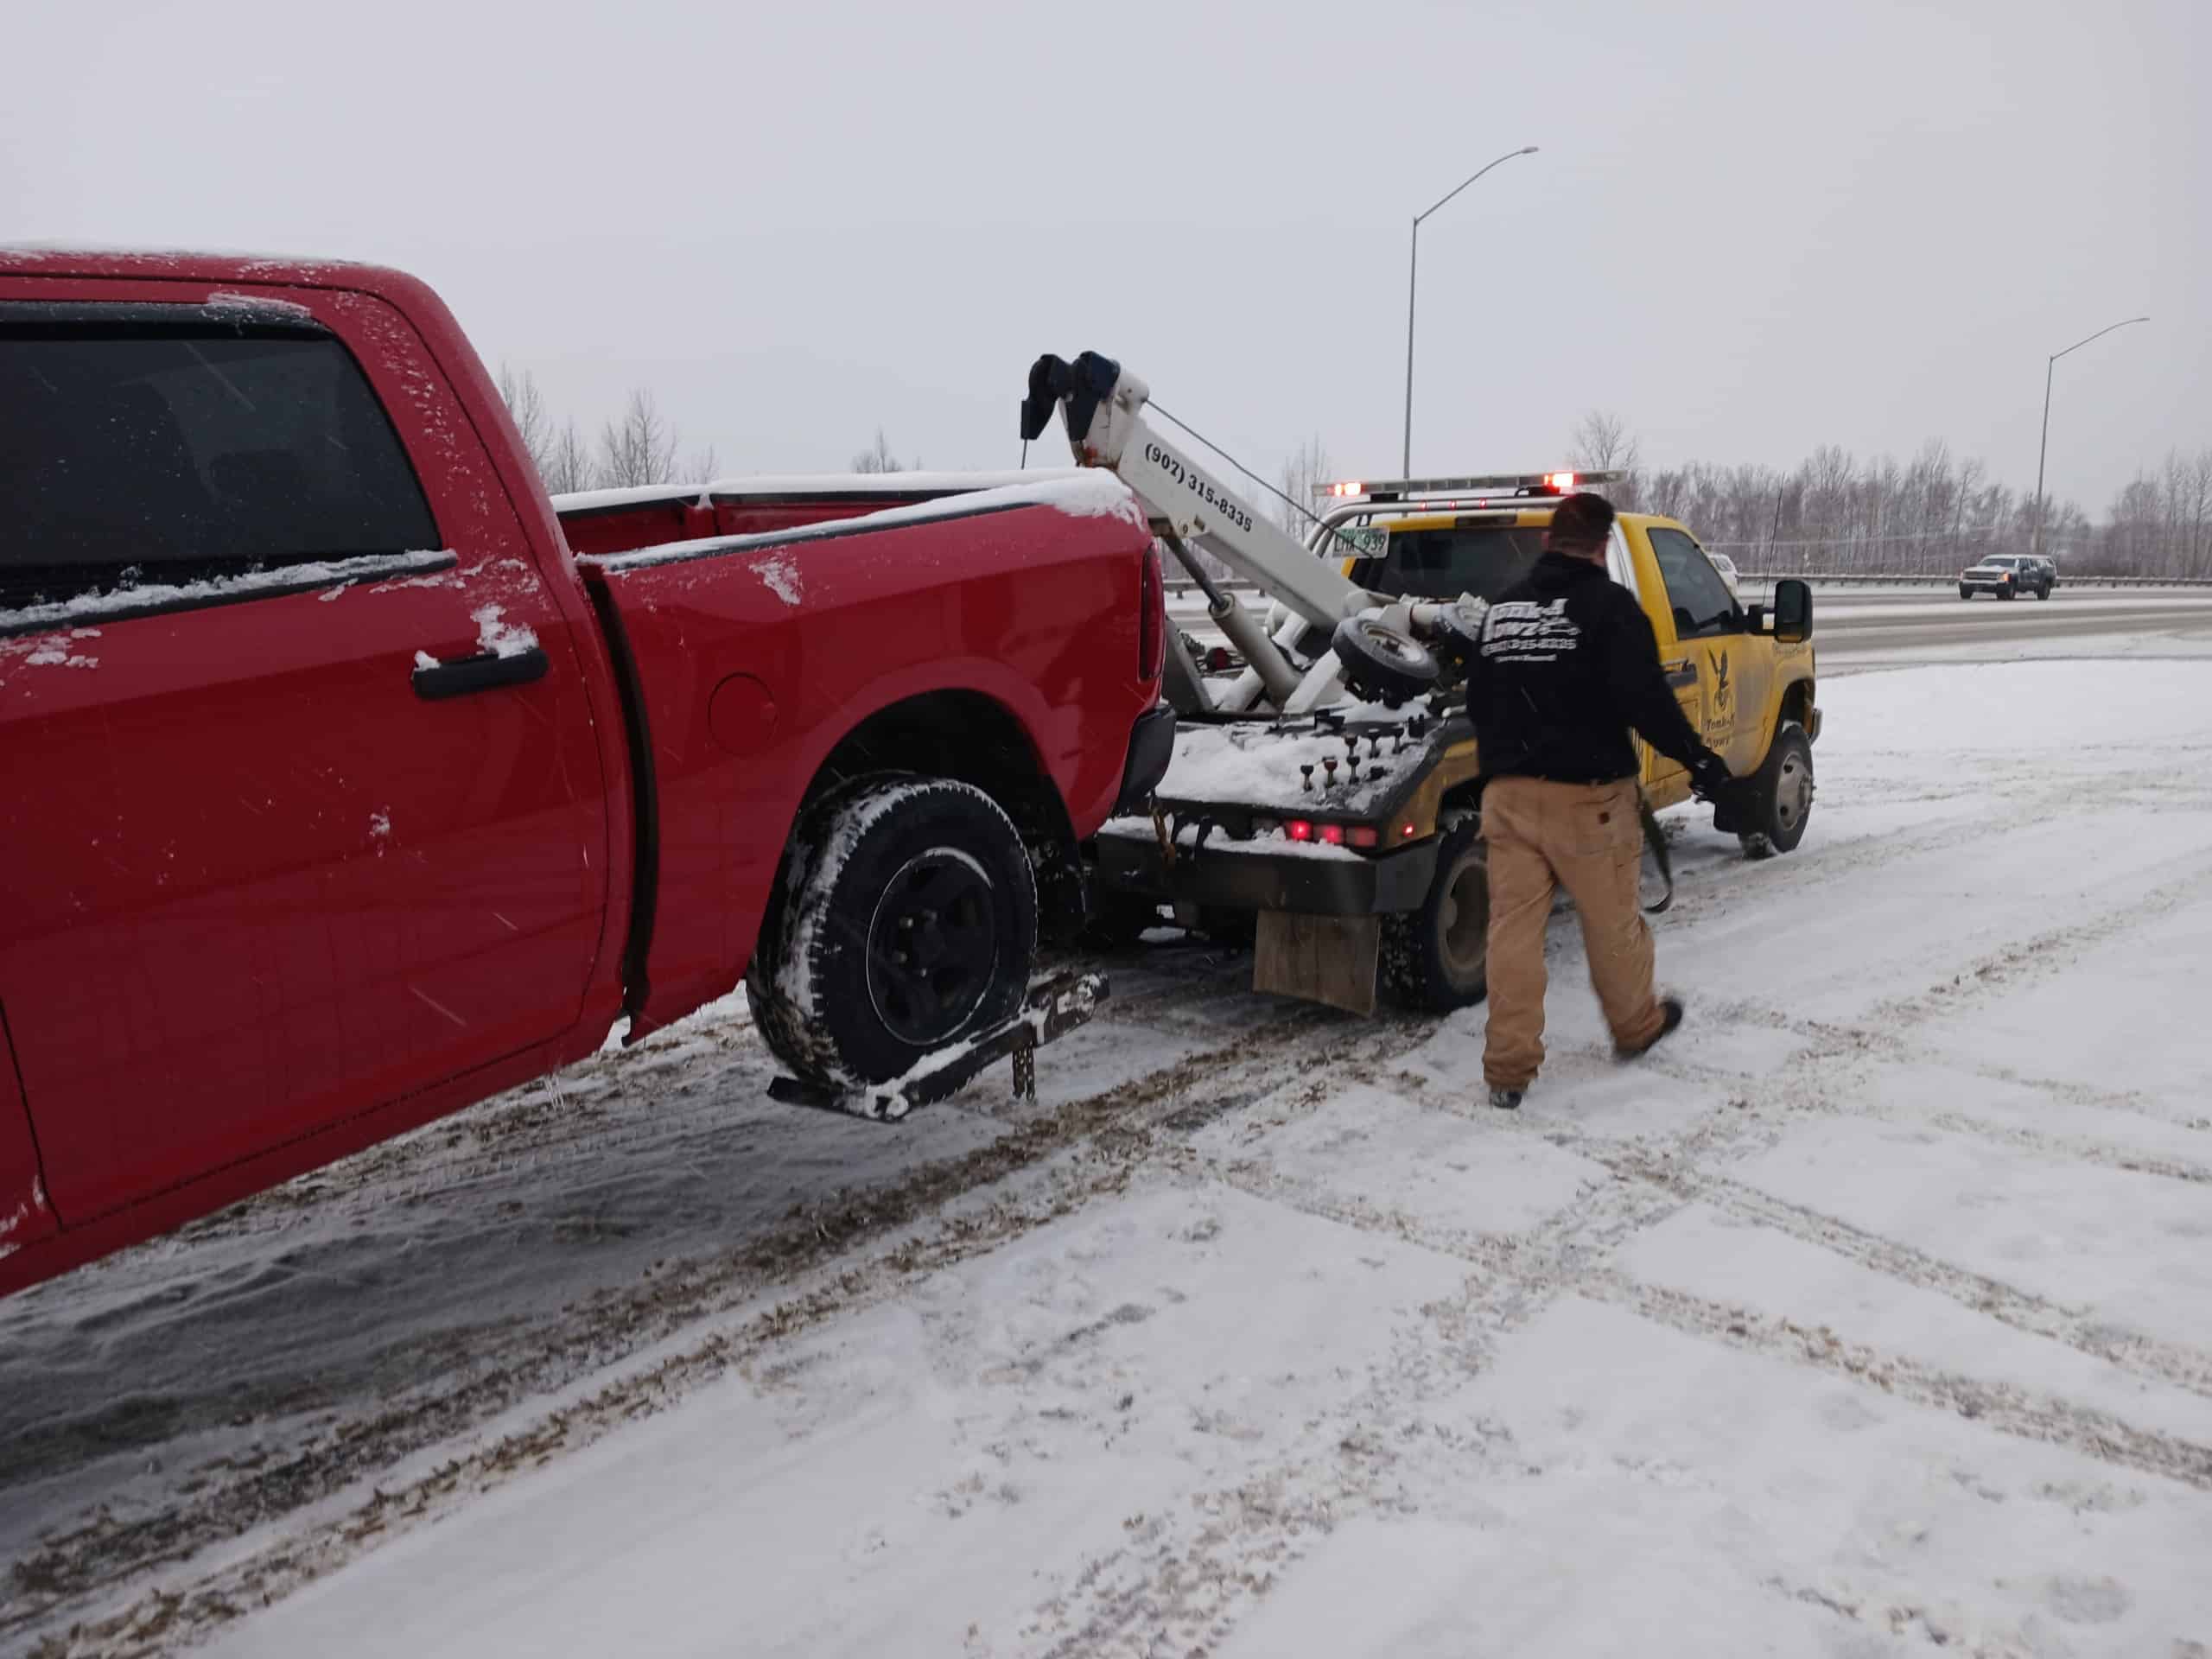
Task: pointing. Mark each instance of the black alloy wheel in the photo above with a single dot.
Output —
(932, 947)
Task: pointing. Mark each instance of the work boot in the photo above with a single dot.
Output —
(1506, 1100)
(1670, 1015)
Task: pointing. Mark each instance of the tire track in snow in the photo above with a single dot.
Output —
(2041, 955)
(1566, 1255)
(1182, 1580)
(2025, 1414)
(2080, 1329)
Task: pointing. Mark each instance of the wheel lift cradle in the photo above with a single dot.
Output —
(1055, 1005)
(1318, 910)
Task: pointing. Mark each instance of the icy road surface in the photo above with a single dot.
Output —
(1870, 1315)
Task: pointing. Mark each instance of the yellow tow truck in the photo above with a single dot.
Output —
(1327, 797)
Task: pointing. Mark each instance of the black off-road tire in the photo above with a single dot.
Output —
(1966, 592)
(2043, 593)
(1437, 957)
(1780, 795)
(906, 919)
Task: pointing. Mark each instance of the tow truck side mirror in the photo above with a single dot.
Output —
(1793, 611)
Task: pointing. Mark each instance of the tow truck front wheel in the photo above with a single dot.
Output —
(1781, 795)
(1438, 957)
(906, 919)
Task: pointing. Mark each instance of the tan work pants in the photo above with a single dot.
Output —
(1586, 839)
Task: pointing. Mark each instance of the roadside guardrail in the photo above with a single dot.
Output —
(1767, 579)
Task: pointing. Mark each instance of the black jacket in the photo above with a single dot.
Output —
(1568, 663)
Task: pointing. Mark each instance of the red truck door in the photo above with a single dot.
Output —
(255, 880)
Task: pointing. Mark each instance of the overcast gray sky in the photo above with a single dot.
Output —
(1751, 228)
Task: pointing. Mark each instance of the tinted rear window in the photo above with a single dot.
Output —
(138, 449)
(1484, 560)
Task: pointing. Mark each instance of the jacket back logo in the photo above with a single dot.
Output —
(1523, 631)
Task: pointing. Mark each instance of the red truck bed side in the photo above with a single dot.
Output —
(760, 656)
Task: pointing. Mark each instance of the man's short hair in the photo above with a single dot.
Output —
(1580, 523)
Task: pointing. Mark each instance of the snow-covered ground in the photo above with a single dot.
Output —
(1871, 1315)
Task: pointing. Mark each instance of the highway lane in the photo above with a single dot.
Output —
(1857, 630)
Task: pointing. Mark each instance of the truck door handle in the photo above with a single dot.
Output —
(1682, 673)
(434, 681)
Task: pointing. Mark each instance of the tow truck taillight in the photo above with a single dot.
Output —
(1330, 835)
(1152, 631)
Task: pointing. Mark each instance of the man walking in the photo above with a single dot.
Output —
(1568, 664)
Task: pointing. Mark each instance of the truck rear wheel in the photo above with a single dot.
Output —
(1782, 795)
(906, 919)
(1438, 957)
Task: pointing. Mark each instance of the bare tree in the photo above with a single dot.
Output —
(1307, 465)
(639, 447)
(1601, 442)
(533, 421)
(569, 464)
(881, 458)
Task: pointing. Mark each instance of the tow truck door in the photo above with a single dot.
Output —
(1664, 782)
(1706, 651)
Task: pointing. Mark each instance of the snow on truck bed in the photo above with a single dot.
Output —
(1084, 494)
(1872, 1315)
(808, 485)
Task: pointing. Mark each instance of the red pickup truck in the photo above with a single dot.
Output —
(343, 787)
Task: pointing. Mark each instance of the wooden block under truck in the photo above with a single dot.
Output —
(1326, 801)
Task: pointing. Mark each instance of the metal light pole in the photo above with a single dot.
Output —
(2044, 448)
(1413, 270)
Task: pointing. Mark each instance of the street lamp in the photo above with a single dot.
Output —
(2044, 449)
(1412, 272)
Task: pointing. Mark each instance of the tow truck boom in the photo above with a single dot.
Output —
(1102, 406)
